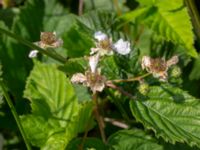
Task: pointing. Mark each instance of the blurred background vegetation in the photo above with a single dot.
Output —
(13, 15)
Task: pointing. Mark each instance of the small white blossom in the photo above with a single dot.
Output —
(93, 62)
(100, 36)
(92, 78)
(33, 54)
(122, 47)
(47, 40)
(158, 67)
(105, 46)
(95, 81)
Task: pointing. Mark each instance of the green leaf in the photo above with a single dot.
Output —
(78, 41)
(47, 87)
(89, 144)
(13, 55)
(82, 93)
(171, 113)
(147, 2)
(56, 115)
(166, 5)
(7, 15)
(52, 100)
(133, 15)
(179, 32)
(110, 68)
(57, 18)
(75, 65)
(162, 4)
(99, 5)
(161, 16)
(195, 74)
(98, 20)
(37, 128)
(133, 139)
(84, 120)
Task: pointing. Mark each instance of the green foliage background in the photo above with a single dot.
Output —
(55, 114)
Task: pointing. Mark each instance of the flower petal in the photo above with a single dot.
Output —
(98, 87)
(122, 47)
(174, 60)
(33, 54)
(94, 50)
(93, 62)
(146, 62)
(78, 78)
(100, 36)
(57, 43)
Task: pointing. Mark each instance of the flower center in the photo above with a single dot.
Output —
(158, 65)
(105, 44)
(48, 38)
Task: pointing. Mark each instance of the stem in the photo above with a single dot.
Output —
(117, 123)
(81, 146)
(194, 15)
(80, 7)
(119, 12)
(14, 112)
(33, 46)
(98, 117)
(111, 85)
(130, 79)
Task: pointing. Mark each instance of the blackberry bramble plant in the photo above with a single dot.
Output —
(120, 75)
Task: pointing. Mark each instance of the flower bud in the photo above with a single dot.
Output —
(143, 88)
(176, 72)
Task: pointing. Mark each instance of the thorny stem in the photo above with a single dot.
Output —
(33, 46)
(130, 79)
(80, 7)
(14, 112)
(99, 118)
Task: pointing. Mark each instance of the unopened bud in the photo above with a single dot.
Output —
(176, 72)
(143, 88)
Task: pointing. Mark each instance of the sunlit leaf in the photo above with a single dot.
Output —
(171, 112)
(56, 115)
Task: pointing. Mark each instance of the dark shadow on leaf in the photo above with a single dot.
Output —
(177, 97)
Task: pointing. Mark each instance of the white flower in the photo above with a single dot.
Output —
(157, 66)
(92, 78)
(47, 40)
(95, 81)
(122, 47)
(33, 54)
(100, 36)
(93, 62)
(105, 46)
